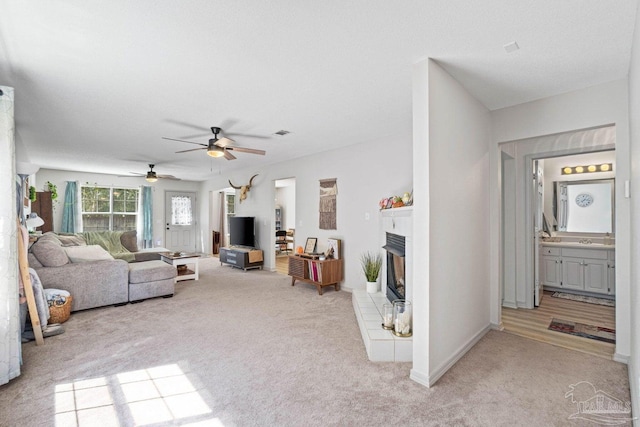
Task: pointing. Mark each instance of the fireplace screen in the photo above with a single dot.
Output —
(395, 247)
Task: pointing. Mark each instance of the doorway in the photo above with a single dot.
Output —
(285, 222)
(523, 220)
(180, 214)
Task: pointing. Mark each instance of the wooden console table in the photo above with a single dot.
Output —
(319, 273)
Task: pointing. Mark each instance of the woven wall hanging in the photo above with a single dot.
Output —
(328, 193)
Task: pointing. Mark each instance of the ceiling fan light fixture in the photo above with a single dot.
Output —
(215, 151)
(151, 177)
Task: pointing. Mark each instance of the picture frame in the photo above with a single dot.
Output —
(310, 246)
(333, 249)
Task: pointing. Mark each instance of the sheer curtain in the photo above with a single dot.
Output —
(10, 346)
(71, 211)
(147, 216)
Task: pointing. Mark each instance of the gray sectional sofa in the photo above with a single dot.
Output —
(93, 276)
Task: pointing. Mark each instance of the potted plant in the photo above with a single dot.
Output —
(53, 189)
(371, 265)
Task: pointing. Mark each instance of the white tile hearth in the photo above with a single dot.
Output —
(381, 344)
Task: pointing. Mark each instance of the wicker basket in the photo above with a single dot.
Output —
(60, 313)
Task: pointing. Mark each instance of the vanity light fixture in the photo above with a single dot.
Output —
(570, 170)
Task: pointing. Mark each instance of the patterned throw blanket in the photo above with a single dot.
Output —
(110, 241)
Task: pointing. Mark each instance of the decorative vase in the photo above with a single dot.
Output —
(372, 287)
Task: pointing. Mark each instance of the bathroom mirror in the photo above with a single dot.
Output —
(584, 206)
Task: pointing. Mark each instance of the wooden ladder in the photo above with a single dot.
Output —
(23, 263)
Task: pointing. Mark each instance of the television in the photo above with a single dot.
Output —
(242, 231)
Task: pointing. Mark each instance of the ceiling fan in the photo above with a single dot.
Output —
(152, 176)
(218, 147)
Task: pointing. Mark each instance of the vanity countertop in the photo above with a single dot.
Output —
(578, 245)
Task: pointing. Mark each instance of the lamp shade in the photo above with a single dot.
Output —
(24, 168)
(215, 151)
(34, 220)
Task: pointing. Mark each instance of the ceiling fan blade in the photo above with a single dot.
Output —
(247, 135)
(181, 140)
(189, 125)
(224, 142)
(197, 135)
(169, 177)
(135, 175)
(247, 150)
(228, 155)
(193, 149)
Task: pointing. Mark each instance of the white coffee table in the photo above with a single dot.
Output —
(181, 258)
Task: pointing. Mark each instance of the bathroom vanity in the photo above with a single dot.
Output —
(578, 267)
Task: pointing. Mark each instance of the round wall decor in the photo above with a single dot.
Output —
(584, 199)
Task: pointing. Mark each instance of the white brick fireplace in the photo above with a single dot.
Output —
(382, 345)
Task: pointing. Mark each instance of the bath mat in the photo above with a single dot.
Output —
(582, 330)
(584, 298)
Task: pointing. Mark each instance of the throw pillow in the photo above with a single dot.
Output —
(129, 240)
(49, 254)
(87, 253)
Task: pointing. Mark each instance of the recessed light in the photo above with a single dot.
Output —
(282, 132)
(511, 47)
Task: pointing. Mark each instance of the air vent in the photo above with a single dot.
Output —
(511, 47)
(282, 132)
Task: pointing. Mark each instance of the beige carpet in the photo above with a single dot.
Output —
(245, 348)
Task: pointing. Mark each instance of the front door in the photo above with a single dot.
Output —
(180, 219)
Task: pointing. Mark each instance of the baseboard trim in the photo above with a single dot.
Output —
(442, 369)
(509, 304)
(633, 388)
(497, 326)
(617, 357)
(419, 377)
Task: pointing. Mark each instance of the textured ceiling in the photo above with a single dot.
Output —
(98, 84)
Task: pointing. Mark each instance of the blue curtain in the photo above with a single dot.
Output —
(147, 217)
(70, 208)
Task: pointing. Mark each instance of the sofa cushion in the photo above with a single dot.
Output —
(33, 261)
(110, 241)
(129, 240)
(149, 271)
(71, 240)
(49, 253)
(87, 253)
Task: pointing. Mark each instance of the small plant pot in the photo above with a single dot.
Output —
(373, 287)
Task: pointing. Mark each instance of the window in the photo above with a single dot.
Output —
(109, 209)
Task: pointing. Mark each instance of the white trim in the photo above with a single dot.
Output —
(442, 369)
(617, 357)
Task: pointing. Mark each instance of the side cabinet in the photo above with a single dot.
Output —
(241, 258)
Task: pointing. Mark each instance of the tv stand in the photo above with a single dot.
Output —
(242, 257)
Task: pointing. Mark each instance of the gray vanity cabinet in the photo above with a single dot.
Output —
(578, 269)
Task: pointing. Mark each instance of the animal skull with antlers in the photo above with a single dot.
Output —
(243, 189)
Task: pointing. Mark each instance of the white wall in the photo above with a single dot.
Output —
(10, 346)
(379, 172)
(592, 107)
(457, 278)
(634, 295)
(59, 178)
